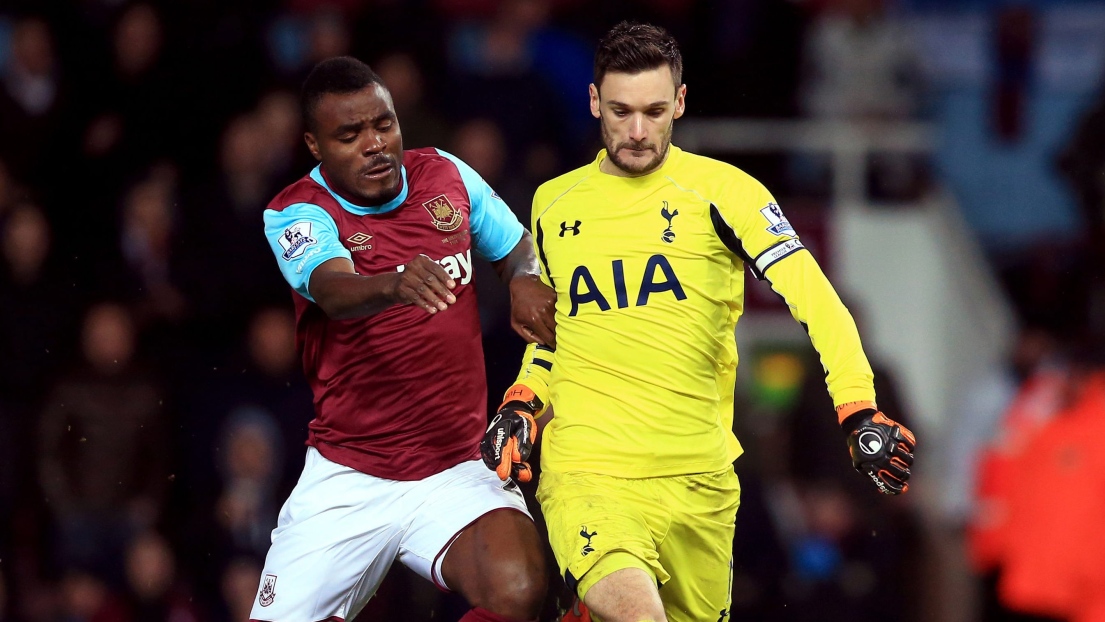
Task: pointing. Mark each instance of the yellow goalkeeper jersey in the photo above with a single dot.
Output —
(649, 277)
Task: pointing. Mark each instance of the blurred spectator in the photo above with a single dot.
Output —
(1046, 385)
(1036, 535)
(263, 381)
(35, 328)
(422, 125)
(251, 465)
(233, 275)
(1053, 563)
(986, 401)
(516, 56)
(239, 588)
(480, 142)
(130, 128)
(32, 80)
(246, 165)
(278, 115)
(103, 447)
(31, 101)
(35, 323)
(328, 36)
(150, 249)
(297, 41)
(156, 594)
(86, 598)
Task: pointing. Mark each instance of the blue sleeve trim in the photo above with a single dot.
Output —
(302, 236)
(495, 228)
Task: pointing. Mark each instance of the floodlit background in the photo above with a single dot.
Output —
(943, 159)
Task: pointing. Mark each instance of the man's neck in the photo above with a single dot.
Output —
(607, 166)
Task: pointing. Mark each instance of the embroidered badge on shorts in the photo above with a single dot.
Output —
(587, 548)
(268, 591)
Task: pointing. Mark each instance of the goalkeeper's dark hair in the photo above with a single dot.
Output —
(341, 74)
(632, 47)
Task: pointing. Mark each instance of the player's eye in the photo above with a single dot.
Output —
(621, 113)
(347, 139)
(656, 113)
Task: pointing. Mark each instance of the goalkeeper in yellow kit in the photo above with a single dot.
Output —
(646, 248)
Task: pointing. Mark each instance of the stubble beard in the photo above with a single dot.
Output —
(635, 169)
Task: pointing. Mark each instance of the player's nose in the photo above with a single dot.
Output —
(637, 131)
(373, 143)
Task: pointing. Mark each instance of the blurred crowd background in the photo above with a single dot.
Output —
(152, 410)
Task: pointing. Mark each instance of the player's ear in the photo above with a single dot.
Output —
(680, 100)
(312, 145)
(594, 91)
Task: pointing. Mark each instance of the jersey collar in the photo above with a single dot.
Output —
(320, 179)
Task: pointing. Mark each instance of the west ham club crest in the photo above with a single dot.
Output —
(445, 216)
(268, 591)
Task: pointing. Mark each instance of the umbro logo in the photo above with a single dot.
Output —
(359, 241)
(564, 228)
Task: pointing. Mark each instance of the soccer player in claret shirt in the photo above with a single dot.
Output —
(377, 245)
(646, 248)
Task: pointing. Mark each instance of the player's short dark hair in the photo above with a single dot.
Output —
(632, 47)
(341, 74)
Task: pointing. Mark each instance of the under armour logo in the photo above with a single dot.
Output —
(564, 228)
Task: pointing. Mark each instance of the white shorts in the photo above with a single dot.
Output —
(341, 529)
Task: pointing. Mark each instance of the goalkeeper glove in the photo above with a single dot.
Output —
(509, 439)
(881, 448)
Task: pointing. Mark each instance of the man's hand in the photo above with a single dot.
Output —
(509, 439)
(533, 310)
(881, 448)
(423, 282)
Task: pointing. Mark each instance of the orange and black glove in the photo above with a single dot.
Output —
(881, 448)
(509, 439)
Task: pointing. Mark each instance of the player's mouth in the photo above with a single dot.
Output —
(378, 171)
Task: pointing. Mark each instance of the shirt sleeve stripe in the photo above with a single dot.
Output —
(540, 239)
(729, 238)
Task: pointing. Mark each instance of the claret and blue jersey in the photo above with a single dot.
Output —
(446, 212)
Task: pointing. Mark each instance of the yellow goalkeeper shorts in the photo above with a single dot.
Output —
(678, 529)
